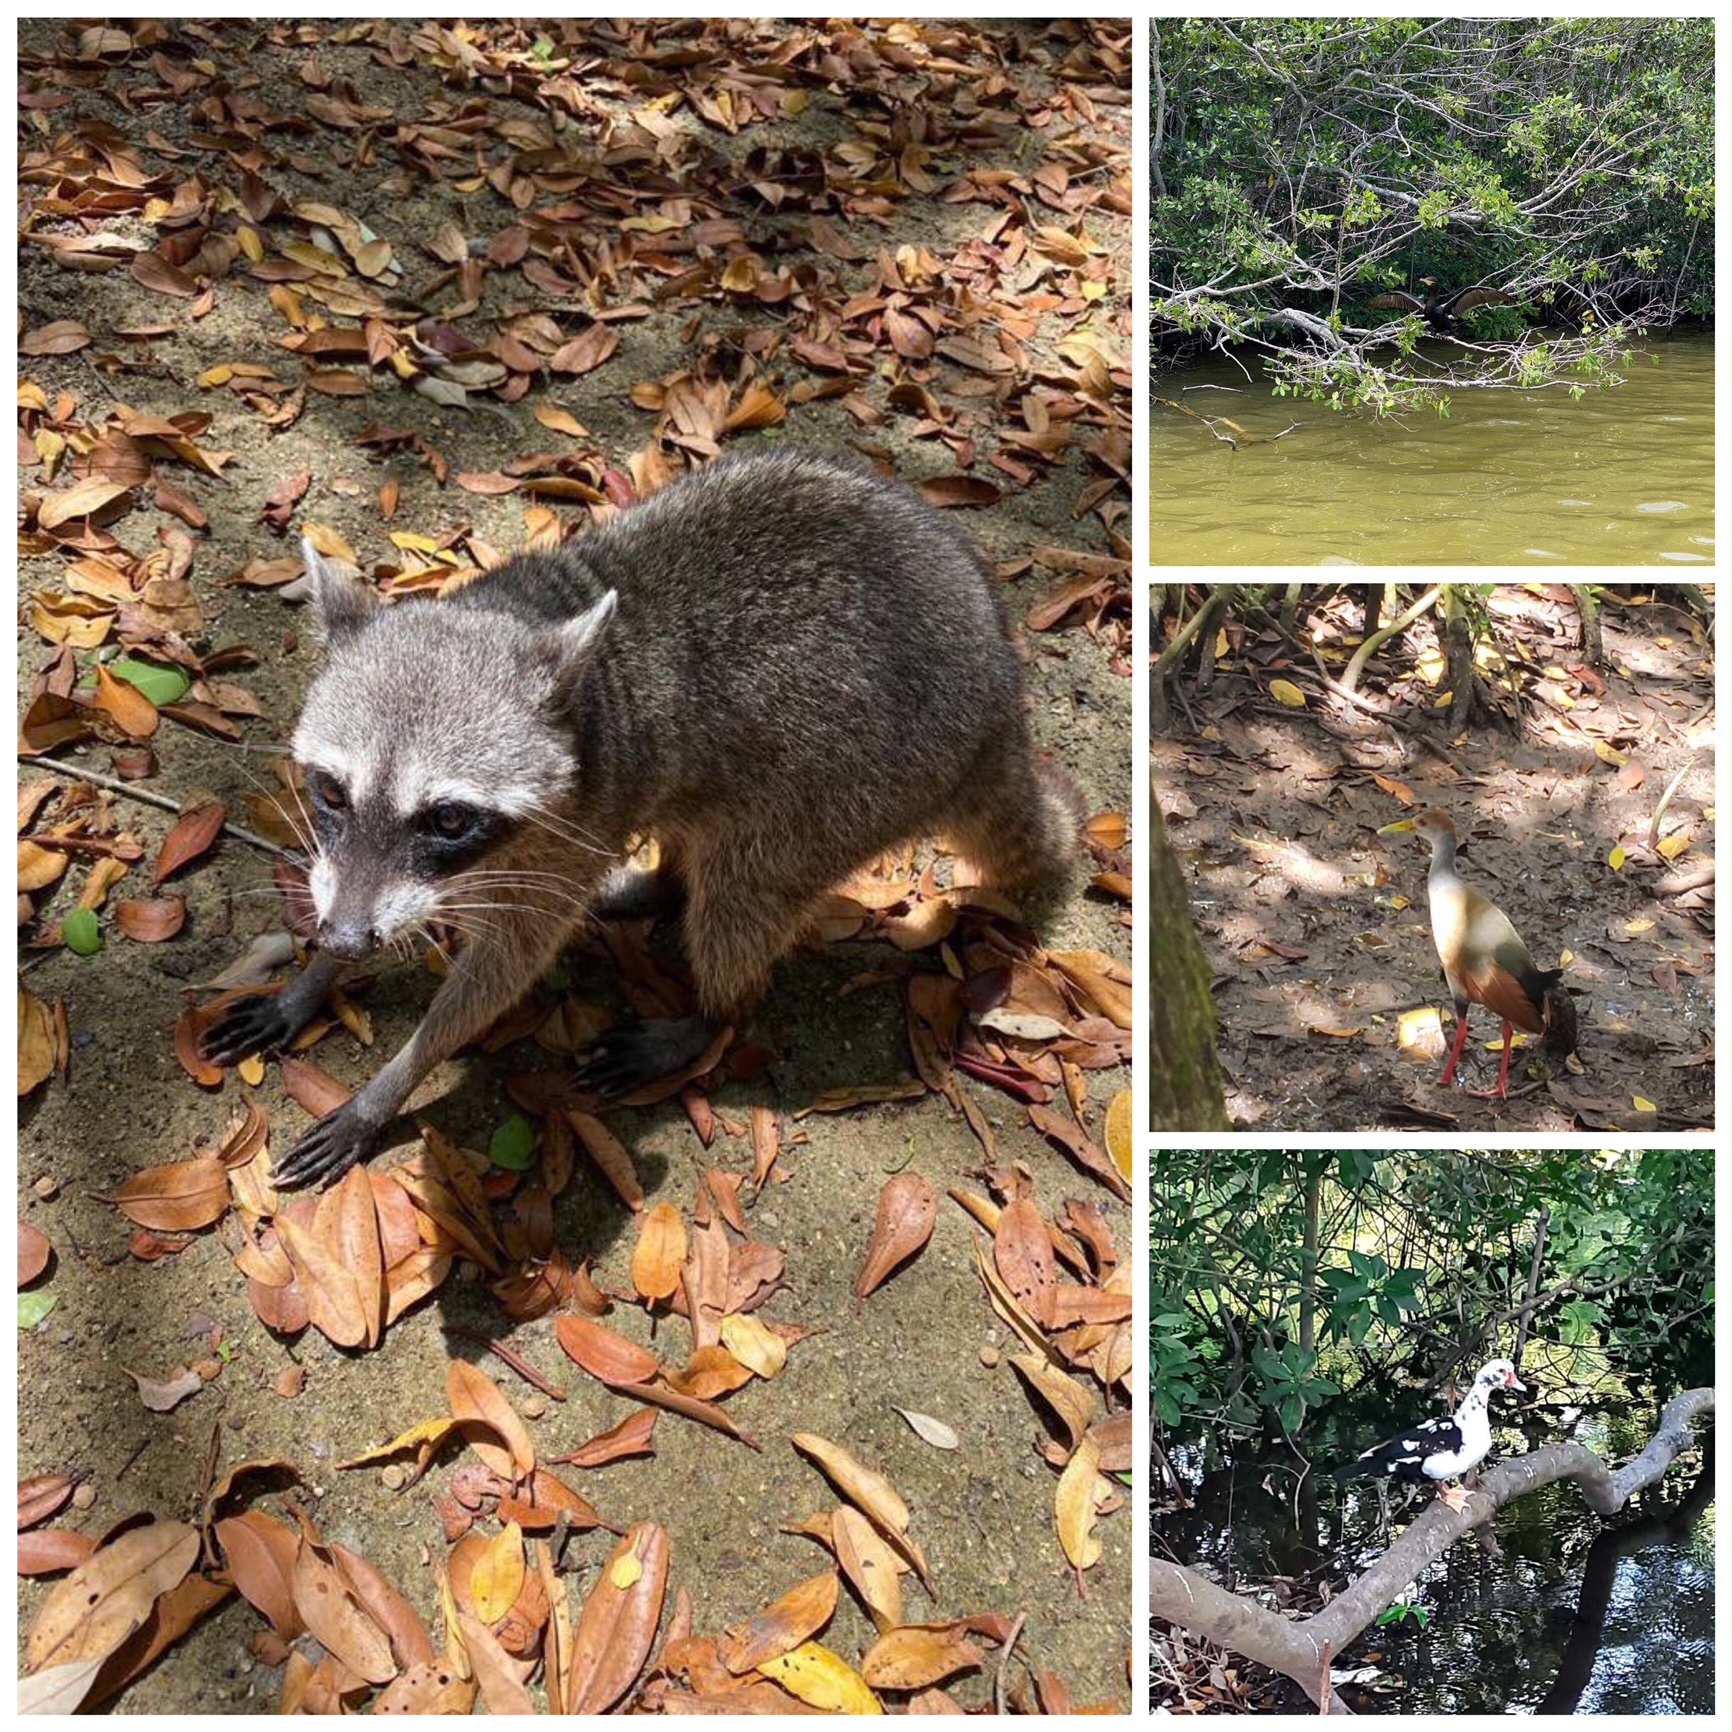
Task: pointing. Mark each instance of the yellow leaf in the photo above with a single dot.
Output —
(1285, 692)
(1221, 645)
(497, 1578)
(1565, 958)
(1119, 1134)
(822, 1679)
(1616, 859)
(755, 1344)
(1609, 754)
(1644, 1106)
(1433, 665)
(1638, 926)
(1673, 846)
(1074, 1505)
(428, 1433)
(626, 1570)
(1398, 903)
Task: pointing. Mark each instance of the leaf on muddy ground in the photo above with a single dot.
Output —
(190, 839)
(1022, 1253)
(42, 1041)
(822, 1680)
(917, 1656)
(791, 1619)
(96, 1608)
(177, 1197)
(618, 1623)
(603, 1353)
(34, 1251)
(336, 1618)
(907, 1211)
(634, 1435)
(1074, 1506)
(870, 1493)
(491, 1425)
(930, 1430)
(163, 1395)
(260, 1553)
(658, 1255)
(150, 919)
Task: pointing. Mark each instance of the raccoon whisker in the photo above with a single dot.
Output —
(567, 831)
(300, 822)
(530, 890)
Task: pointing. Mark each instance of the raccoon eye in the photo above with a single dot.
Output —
(451, 820)
(328, 791)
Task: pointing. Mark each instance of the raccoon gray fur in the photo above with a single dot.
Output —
(779, 667)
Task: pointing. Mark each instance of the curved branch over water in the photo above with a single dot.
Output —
(1302, 1648)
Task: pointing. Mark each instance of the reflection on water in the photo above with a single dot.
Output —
(1570, 1615)
(1622, 477)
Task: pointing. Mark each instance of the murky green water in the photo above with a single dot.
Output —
(1621, 477)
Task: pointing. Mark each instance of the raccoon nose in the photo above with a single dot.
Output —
(349, 940)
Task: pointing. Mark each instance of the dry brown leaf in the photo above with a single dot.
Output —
(178, 1197)
(476, 1400)
(788, 1621)
(907, 1210)
(618, 1622)
(915, 1657)
(96, 1608)
(190, 838)
(658, 1256)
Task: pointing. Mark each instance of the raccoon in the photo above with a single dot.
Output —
(778, 667)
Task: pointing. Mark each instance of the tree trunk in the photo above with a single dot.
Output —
(1184, 1073)
(1308, 1261)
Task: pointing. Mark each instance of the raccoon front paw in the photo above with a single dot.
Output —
(257, 1023)
(632, 1055)
(328, 1150)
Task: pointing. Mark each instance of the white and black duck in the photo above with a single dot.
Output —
(1440, 1449)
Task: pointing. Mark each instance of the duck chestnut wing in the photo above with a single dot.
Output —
(1404, 1455)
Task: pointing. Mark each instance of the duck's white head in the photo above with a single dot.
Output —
(1498, 1374)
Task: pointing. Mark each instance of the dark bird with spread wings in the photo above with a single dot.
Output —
(1442, 312)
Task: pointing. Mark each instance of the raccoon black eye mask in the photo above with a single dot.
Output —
(779, 667)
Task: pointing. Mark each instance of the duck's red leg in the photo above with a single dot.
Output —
(1501, 1092)
(1448, 1076)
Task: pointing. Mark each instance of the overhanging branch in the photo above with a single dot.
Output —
(1300, 1647)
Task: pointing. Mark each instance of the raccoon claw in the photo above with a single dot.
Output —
(327, 1151)
(250, 1025)
(632, 1055)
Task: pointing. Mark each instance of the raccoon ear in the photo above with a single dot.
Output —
(341, 601)
(575, 642)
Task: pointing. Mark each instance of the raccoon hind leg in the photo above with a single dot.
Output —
(737, 921)
(1017, 822)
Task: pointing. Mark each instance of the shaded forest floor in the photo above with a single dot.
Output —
(1318, 929)
(442, 292)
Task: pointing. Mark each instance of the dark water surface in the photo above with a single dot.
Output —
(1621, 477)
(1572, 1615)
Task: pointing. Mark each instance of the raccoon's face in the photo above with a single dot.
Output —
(430, 739)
